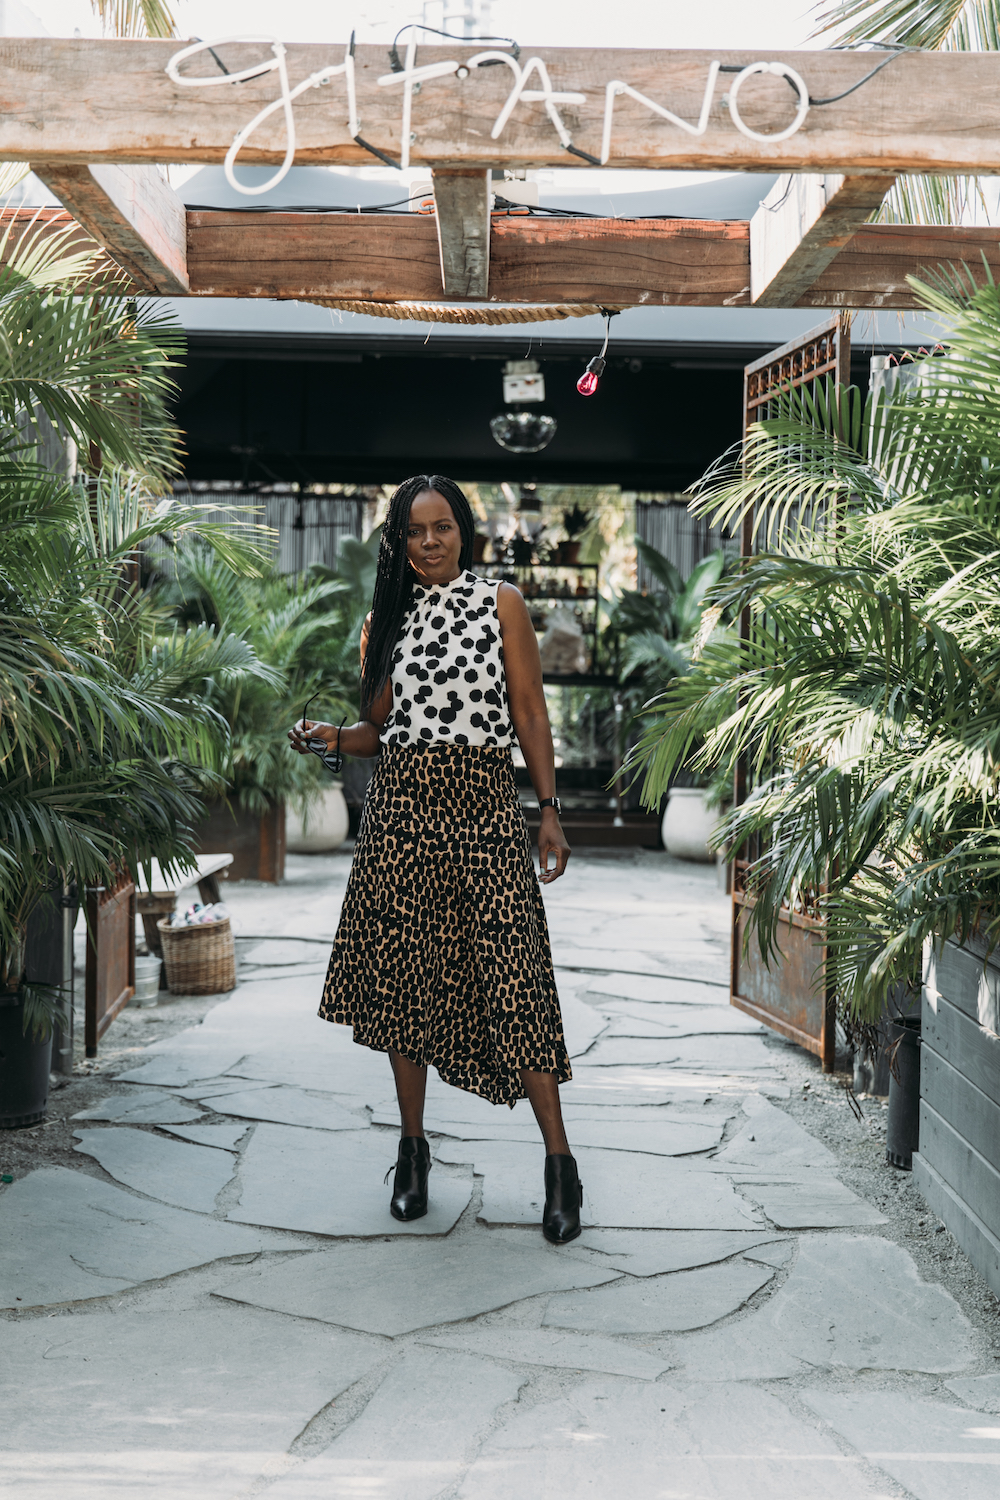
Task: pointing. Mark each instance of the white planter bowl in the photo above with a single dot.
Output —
(687, 824)
(326, 829)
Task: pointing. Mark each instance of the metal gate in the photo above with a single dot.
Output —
(787, 997)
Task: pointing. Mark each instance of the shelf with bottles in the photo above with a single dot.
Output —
(533, 583)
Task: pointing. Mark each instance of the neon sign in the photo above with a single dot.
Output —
(412, 78)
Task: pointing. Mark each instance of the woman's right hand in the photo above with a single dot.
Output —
(309, 729)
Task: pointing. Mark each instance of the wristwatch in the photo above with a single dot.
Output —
(551, 802)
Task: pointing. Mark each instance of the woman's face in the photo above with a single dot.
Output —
(433, 540)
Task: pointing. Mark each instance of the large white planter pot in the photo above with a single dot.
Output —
(326, 829)
(687, 823)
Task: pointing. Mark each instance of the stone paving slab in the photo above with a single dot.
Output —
(621, 1190)
(214, 1088)
(816, 1202)
(397, 1287)
(604, 1438)
(659, 1138)
(727, 1054)
(66, 1236)
(160, 1405)
(331, 1182)
(559, 1351)
(980, 1391)
(936, 1452)
(654, 990)
(661, 1304)
(222, 1137)
(652, 1252)
(633, 1086)
(285, 1105)
(582, 1024)
(665, 1021)
(144, 1107)
(770, 1140)
(853, 1302)
(172, 1171)
(411, 1440)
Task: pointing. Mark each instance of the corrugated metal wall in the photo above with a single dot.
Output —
(310, 527)
(685, 539)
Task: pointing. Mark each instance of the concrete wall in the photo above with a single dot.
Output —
(958, 1165)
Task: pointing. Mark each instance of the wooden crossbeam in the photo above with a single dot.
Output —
(48, 222)
(659, 263)
(801, 227)
(133, 213)
(77, 100)
(394, 257)
(872, 268)
(462, 212)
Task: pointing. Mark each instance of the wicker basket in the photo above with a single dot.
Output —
(199, 960)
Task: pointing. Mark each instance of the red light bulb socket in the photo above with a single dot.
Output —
(587, 384)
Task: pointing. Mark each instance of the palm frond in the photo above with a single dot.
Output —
(135, 18)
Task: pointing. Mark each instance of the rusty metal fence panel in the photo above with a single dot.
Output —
(792, 996)
(110, 981)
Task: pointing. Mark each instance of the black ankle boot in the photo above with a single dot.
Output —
(563, 1200)
(409, 1190)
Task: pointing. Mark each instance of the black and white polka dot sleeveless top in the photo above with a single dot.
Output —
(448, 683)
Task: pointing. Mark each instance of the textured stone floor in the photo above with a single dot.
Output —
(215, 1304)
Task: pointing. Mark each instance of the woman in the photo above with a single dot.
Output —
(442, 954)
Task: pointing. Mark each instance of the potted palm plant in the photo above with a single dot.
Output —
(865, 702)
(106, 740)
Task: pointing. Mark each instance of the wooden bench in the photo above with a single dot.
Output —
(159, 897)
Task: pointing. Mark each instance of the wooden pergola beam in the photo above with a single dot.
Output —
(655, 263)
(51, 222)
(801, 227)
(395, 257)
(134, 214)
(872, 269)
(79, 101)
(462, 212)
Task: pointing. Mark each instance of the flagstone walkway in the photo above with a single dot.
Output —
(212, 1302)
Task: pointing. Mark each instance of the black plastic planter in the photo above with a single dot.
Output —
(24, 1069)
(903, 1130)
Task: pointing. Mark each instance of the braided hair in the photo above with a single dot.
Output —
(394, 576)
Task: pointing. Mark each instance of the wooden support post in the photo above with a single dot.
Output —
(800, 228)
(462, 203)
(134, 214)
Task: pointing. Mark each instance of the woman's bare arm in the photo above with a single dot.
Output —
(360, 739)
(530, 717)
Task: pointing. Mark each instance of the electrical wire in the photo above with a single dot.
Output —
(397, 66)
(896, 50)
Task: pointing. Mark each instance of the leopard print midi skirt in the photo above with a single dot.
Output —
(442, 952)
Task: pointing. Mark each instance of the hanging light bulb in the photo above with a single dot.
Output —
(587, 384)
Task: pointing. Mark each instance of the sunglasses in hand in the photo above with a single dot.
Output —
(332, 759)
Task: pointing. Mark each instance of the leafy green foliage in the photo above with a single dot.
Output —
(936, 25)
(306, 638)
(866, 701)
(107, 738)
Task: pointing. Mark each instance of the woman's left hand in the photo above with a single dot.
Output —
(551, 840)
